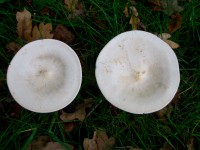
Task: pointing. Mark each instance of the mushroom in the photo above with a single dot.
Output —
(44, 76)
(137, 72)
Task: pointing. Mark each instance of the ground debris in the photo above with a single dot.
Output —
(63, 34)
(167, 110)
(13, 46)
(165, 37)
(130, 10)
(190, 144)
(74, 8)
(45, 143)
(28, 32)
(78, 114)
(100, 141)
(167, 6)
(175, 23)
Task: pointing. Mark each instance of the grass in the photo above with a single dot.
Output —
(144, 131)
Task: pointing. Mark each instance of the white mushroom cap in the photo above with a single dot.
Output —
(137, 72)
(44, 76)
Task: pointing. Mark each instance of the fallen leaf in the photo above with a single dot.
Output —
(57, 146)
(134, 21)
(71, 4)
(39, 143)
(41, 32)
(130, 10)
(167, 6)
(24, 25)
(155, 5)
(100, 141)
(165, 112)
(80, 111)
(165, 37)
(171, 6)
(29, 33)
(126, 11)
(69, 126)
(175, 23)
(45, 143)
(90, 144)
(190, 144)
(63, 34)
(75, 8)
(13, 46)
(172, 44)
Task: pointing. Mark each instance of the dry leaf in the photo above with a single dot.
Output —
(175, 24)
(90, 144)
(155, 5)
(172, 44)
(190, 144)
(24, 25)
(134, 21)
(69, 126)
(171, 6)
(63, 34)
(71, 4)
(45, 143)
(57, 146)
(166, 111)
(25, 30)
(45, 31)
(176, 98)
(39, 143)
(75, 8)
(100, 141)
(79, 113)
(126, 10)
(13, 46)
(167, 6)
(165, 37)
(41, 32)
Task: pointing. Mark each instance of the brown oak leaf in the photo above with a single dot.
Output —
(43, 31)
(79, 113)
(24, 25)
(27, 32)
(75, 8)
(63, 34)
(190, 144)
(175, 23)
(45, 143)
(167, 6)
(100, 141)
(13, 46)
(165, 37)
